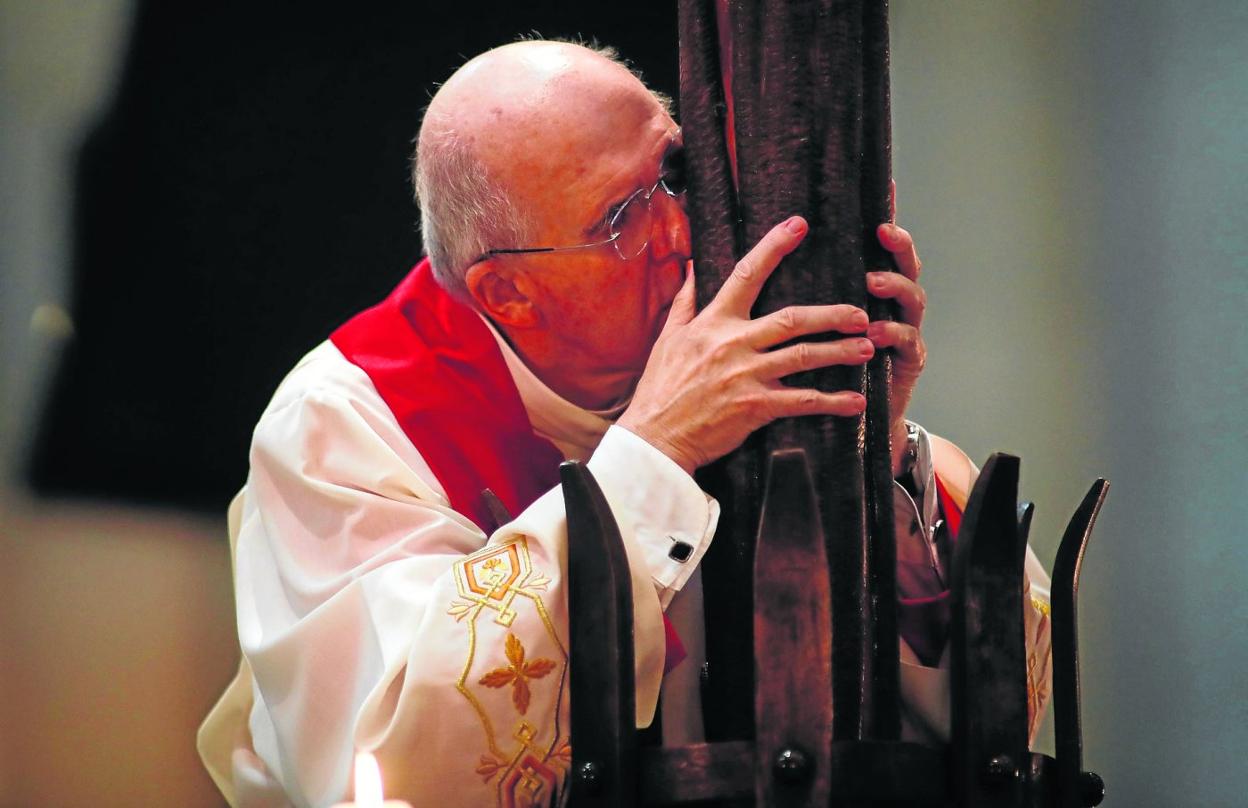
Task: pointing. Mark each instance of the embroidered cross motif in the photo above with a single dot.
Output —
(518, 673)
(530, 771)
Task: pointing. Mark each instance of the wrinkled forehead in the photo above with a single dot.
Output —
(577, 117)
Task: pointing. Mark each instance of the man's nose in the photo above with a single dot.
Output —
(669, 227)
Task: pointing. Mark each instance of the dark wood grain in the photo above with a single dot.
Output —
(733, 480)
(792, 640)
(877, 172)
(705, 771)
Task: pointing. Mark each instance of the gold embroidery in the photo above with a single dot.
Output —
(562, 756)
(1037, 681)
(488, 767)
(1033, 705)
(460, 685)
(530, 779)
(517, 673)
(529, 776)
(493, 579)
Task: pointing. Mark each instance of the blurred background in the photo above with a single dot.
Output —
(194, 194)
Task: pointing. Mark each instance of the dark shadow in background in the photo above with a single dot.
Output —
(247, 192)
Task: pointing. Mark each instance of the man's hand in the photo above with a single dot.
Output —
(904, 335)
(711, 379)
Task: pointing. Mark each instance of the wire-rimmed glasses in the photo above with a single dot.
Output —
(631, 224)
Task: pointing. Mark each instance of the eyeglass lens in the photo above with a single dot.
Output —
(631, 226)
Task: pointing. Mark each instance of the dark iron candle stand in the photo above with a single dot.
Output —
(785, 109)
(795, 760)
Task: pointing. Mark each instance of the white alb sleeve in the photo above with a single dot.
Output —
(374, 617)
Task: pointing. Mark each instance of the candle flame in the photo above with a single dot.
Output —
(367, 781)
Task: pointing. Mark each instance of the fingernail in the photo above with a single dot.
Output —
(858, 319)
(876, 280)
(875, 330)
(795, 225)
(865, 347)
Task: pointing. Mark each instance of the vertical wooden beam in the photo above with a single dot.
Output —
(798, 94)
(728, 567)
(876, 182)
(792, 642)
(803, 146)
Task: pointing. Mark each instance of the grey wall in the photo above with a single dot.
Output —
(1075, 175)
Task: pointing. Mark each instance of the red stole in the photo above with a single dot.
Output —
(949, 508)
(439, 370)
(924, 622)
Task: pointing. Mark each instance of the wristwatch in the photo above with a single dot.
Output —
(910, 456)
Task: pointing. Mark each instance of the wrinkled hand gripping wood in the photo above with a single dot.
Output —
(809, 85)
(812, 138)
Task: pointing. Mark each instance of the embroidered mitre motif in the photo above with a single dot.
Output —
(500, 603)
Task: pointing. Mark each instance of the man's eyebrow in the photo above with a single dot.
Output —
(601, 223)
(675, 145)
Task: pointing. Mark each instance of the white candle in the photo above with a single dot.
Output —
(368, 792)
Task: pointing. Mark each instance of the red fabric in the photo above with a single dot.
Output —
(953, 514)
(923, 622)
(438, 368)
(674, 653)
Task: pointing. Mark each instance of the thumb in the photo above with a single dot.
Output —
(685, 304)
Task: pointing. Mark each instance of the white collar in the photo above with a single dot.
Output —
(575, 431)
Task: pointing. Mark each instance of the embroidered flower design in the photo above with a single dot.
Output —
(518, 673)
(459, 609)
(562, 756)
(488, 767)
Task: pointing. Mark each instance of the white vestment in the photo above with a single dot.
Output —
(372, 616)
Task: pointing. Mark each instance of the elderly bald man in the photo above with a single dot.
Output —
(383, 602)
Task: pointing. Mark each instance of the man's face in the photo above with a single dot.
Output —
(602, 313)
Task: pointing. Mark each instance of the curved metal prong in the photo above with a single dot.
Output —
(1068, 733)
(600, 624)
(989, 674)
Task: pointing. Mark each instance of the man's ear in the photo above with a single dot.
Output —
(499, 297)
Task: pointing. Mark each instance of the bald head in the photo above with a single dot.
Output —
(511, 120)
